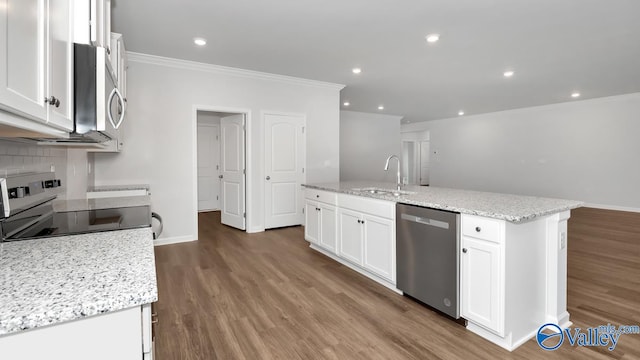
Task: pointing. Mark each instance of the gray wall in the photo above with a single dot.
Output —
(584, 150)
(366, 140)
(160, 132)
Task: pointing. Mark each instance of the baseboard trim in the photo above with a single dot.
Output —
(613, 207)
(174, 240)
(254, 230)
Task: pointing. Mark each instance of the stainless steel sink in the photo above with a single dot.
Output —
(378, 191)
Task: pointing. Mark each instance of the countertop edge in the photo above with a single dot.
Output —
(81, 307)
(510, 218)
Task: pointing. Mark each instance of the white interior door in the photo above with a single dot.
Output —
(208, 167)
(233, 171)
(284, 170)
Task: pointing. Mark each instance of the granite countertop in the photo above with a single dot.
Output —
(100, 203)
(513, 208)
(53, 280)
(118, 187)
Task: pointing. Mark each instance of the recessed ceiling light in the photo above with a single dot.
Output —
(346, 103)
(575, 95)
(431, 38)
(460, 112)
(380, 107)
(200, 41)
(508, 73)
(356, 70)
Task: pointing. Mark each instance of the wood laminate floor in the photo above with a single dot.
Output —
(233, 295)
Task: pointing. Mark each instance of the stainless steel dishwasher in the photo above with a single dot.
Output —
(427, 248)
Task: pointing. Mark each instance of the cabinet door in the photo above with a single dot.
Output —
(60, 64)
(312, 221)
(350, 235)
(379, 246)
(23, 57)
(482, 283)
(328, 227)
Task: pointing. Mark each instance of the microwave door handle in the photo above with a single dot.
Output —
(122, 106)
(109, 101)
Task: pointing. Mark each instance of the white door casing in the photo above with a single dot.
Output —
(208, 167)
(233, 171)
(284, 162)
(424, 162)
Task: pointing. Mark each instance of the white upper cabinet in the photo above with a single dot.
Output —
(92, 23)
(119, 62)
(36, 61)
(60, 64)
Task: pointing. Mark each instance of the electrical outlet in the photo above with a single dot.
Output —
(563, 240)
(53, 168)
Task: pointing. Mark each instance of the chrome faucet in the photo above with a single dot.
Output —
(386, 168)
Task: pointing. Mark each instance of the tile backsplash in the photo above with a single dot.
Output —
(17, 158)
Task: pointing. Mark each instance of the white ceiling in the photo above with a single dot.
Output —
(555, 47)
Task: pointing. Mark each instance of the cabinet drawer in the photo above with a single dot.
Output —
(483, 228)
(382, 208)
(323, 196)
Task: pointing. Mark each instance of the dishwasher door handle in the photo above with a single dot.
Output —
(425, 221)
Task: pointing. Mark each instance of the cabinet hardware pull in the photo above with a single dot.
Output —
(464, 250)
(317, 196)
(268, 177)
(478, 229)
(52, 101)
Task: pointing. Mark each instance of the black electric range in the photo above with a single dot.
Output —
(27, 211)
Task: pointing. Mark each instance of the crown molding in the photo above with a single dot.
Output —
(218, 69)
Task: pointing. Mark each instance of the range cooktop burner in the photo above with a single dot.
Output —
(43, 222)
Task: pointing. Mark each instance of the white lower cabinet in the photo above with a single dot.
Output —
(506, 286)
(320, 220)
(360, 231)
(328, 228)
(379, 246)
(351, 235)
(365, 239)
(482, 283)
(122, 335)
(312, 221)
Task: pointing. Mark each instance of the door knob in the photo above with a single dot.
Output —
(268, 177)
(464, 250)
(220, 176)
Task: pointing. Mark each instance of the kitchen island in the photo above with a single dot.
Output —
(77, 297)
(512, 249)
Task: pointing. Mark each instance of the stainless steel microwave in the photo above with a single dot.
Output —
(99, 106)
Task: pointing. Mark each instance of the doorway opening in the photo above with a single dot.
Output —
(221, 165)
(415, 158)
